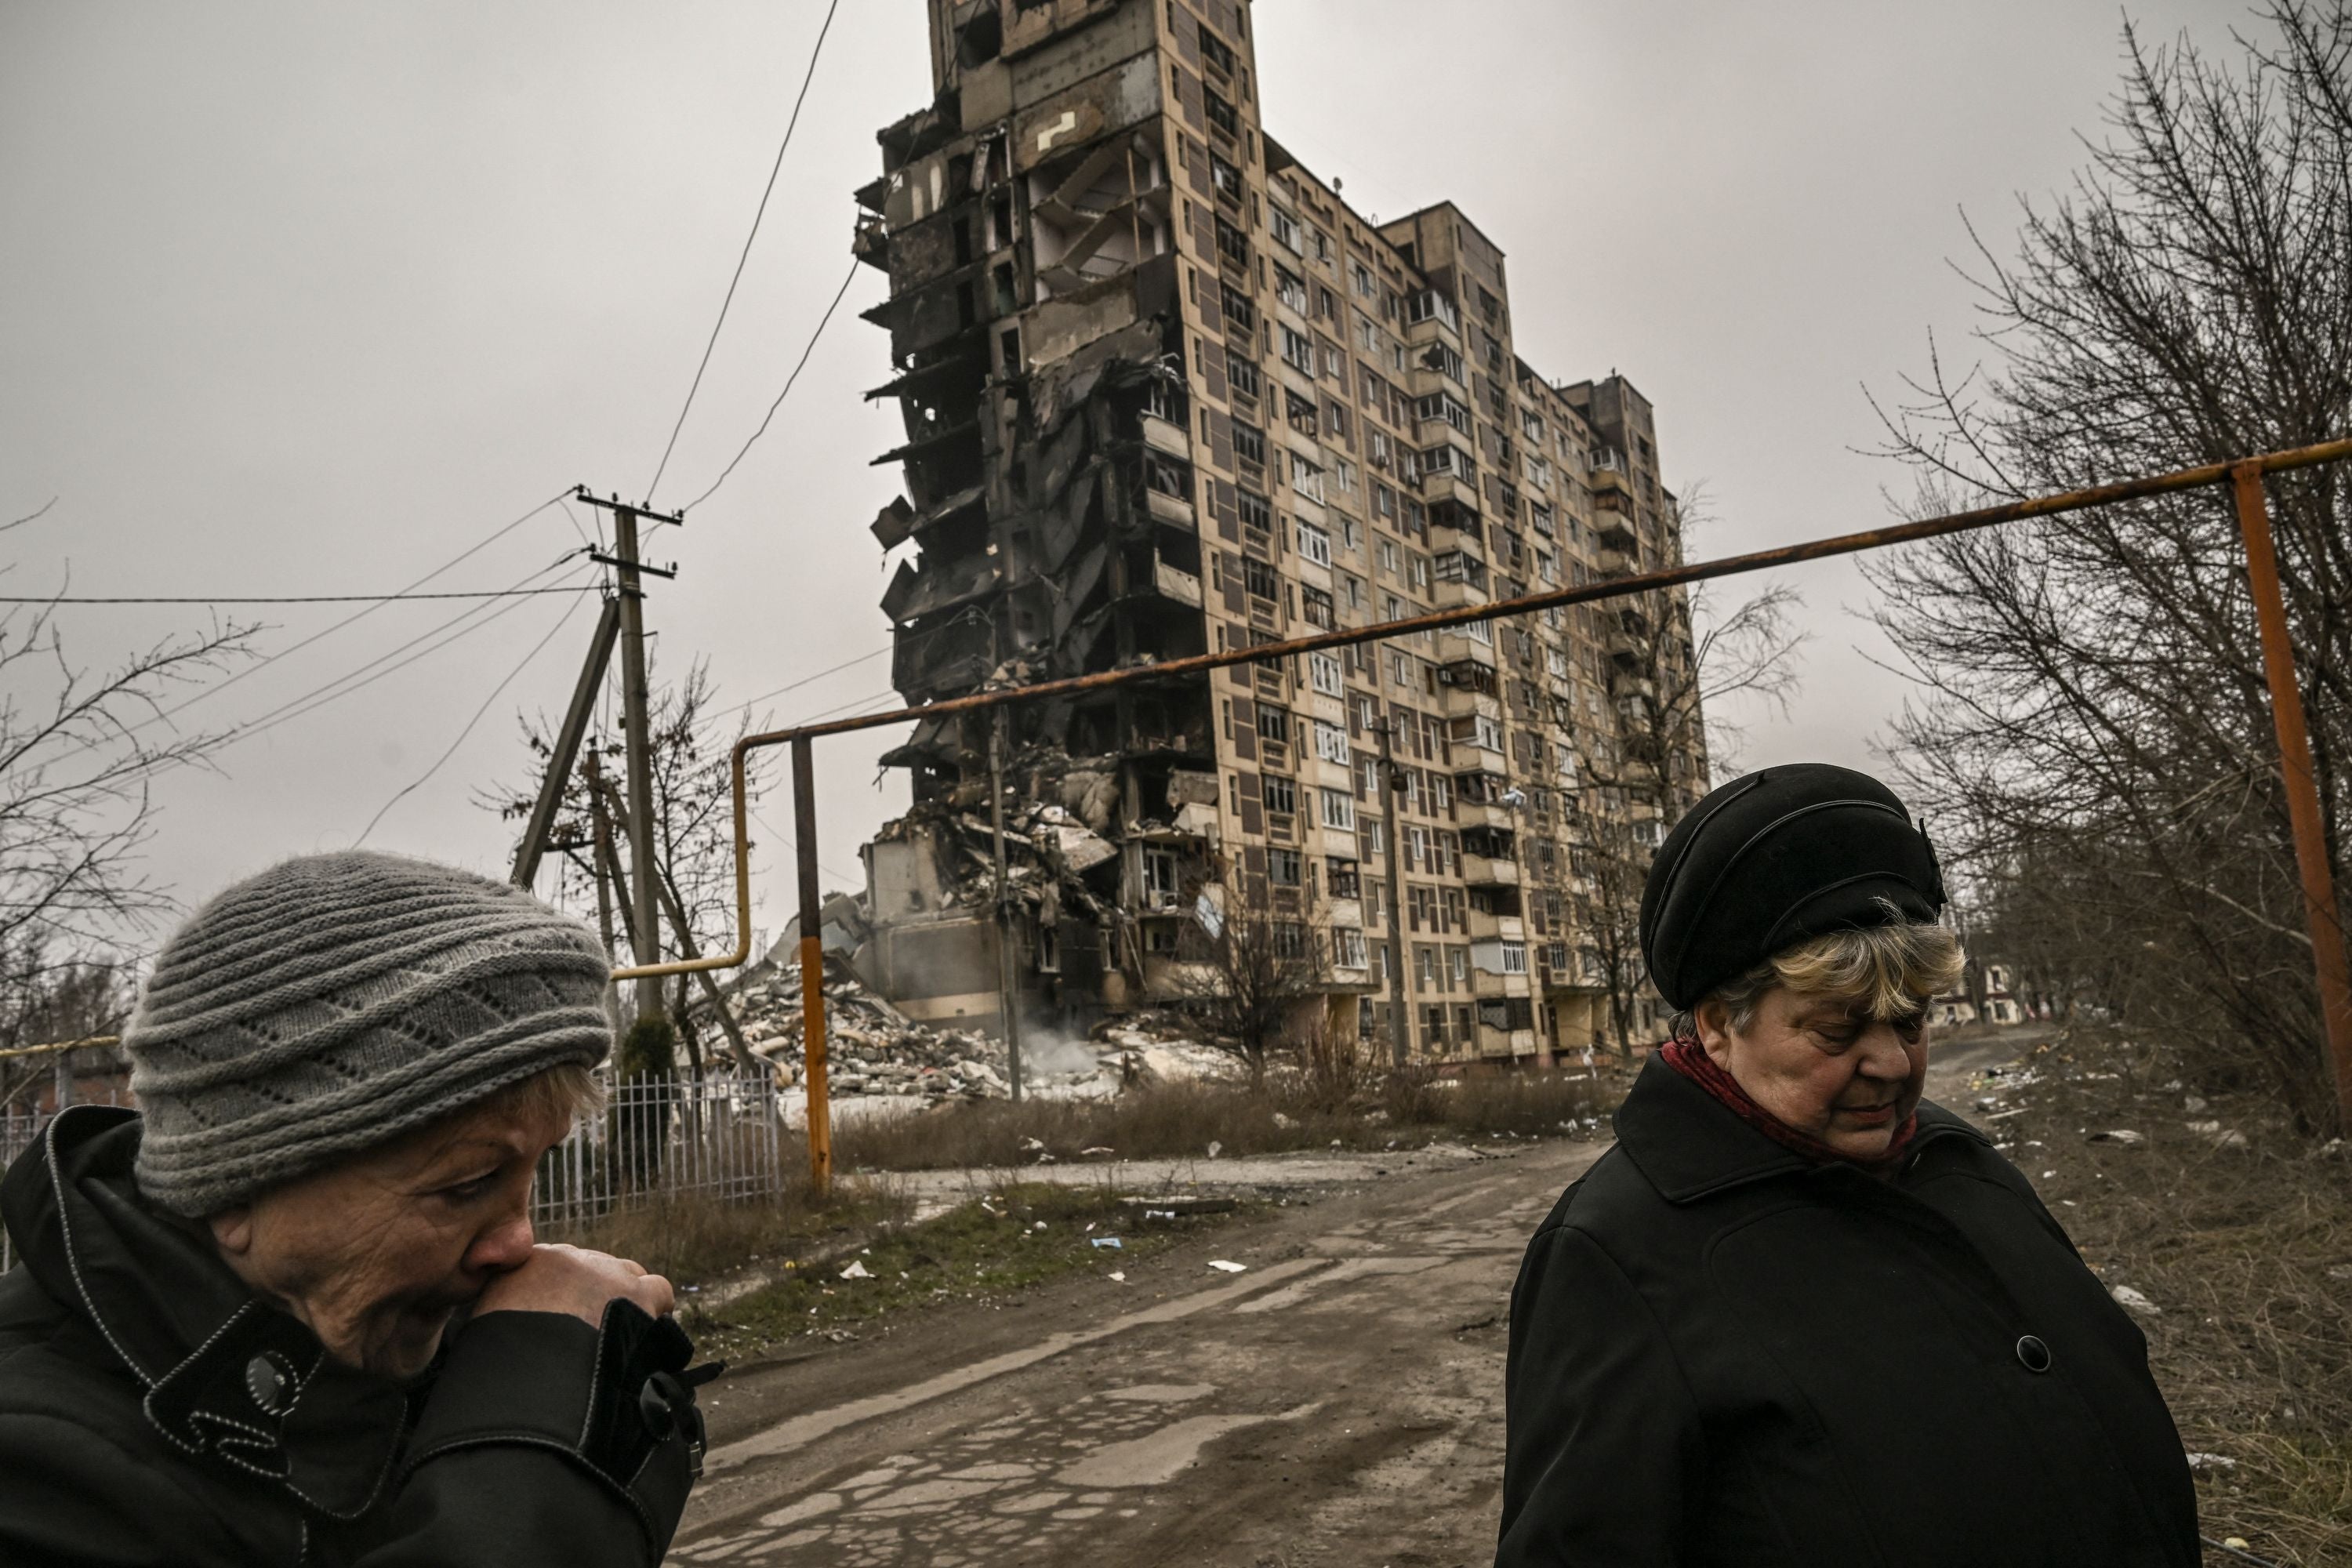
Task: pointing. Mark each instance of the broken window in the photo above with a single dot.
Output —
(1241, 316)
(1260, 579)
(1284, 229)
(1314, 604)
(1256, 513)
(1298, 351)
(1442, 405)
(1431, 305)
(1362, 277)
(1307, 479)
(1342, 874)
(1221, 114)
(1281, 794)
(1245, 377)
(1274, 724)
(1226, 177)
(1301, 414)
(1446, 361)
(1282, 870)
(1161, 885)
(1290, 288)
(1249, 443)
(1347, 946)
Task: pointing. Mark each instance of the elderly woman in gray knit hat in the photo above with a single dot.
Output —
(292, 1312)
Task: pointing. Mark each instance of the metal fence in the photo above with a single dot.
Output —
(721, 1139)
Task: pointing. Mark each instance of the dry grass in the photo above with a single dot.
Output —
(693, 1238)
(1171, 1121)
(2248, 1252)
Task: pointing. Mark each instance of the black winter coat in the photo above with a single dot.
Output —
(153, 1412)
(1722, 1354)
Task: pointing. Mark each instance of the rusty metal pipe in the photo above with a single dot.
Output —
(2295, 773)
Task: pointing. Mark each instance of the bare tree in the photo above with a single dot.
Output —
(694, 835)
(1248, 975)
(2093, 716)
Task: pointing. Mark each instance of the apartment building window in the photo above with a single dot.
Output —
(1241, 316)
(1244, 374)
(1318, 245)
(1400, 664)
(1457, 962)
(1330, 742)
(1430, 305)
(1344, 876)
(1256, 511)
(1282, 867)
(1343, 472)
(1351, 591)
(1323, 671)
(1290, 288)
(1361, 276)
(1539, 519)
(1442, 405)
(1515, 957)
(1281, 795)
(1249, 443)
(1420, 565)
(1420, 911)
(1441, 797)
(1314, 543)
(1232, 243)
(1314, 604)
(1457, 910)
(1448, 458)
(1424, 978)
(1555, 957)
(1221, 114)
(1161, 885)
(1226, 177)
(1446, 361)
(1260, 579)
(1307, 479)
(1347, 950)
(1274, 724)
(1339, 812)
(1416, 846)
(1376, 838)
(1300, 414)
(1382, 454)
(1351, 536)
(1298, 350)
(1532, 424)
(1473, 730)
(1548, 566)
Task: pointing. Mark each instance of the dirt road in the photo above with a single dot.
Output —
(1340, 1403)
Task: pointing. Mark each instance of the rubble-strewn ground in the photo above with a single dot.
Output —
(2231, 1239)
(1338, 1401)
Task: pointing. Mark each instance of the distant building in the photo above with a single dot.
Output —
(1165, 392)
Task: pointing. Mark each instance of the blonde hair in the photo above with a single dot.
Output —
(1886, 972)
(568, 1090)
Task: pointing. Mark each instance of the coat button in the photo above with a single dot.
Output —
(270, 1382)
(2032, 1354)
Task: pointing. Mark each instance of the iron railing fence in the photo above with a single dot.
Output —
(720, 1138)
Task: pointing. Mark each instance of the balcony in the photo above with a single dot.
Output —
(1489, 870)
(1485, 927)
(1174, 582)
(1488, 986)
(1166, 436)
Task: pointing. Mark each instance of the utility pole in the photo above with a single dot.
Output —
(1007, 957)
(602, 855)
(646, 925)
(1400, 1042)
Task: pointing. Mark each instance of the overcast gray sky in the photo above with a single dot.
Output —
(307, 299)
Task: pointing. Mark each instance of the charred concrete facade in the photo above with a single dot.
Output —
(1166, 392)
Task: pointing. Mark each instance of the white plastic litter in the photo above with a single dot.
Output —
(1226, 1265)
(856, 1270)
(2133, 1302)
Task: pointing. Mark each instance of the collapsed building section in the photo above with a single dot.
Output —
(1165, 391)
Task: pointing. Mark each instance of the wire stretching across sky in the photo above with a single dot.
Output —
(765, 193)
(218, 687)
(822, 322)
(286, 598)
(569, 611)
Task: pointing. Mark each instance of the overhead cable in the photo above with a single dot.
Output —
(822, 323)
(289, 598)
(763, 211)
(264, 663)
(570, 610)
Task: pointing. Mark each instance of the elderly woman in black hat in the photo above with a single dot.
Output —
(1799, 1315)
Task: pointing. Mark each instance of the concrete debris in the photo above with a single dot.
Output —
(2211, 1462)
(2132, 1300)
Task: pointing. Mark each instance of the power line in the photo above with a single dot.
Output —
(295, 599)
(569, 611)
(320, 696)
(822, 322)
(264, 663)
(763, 211)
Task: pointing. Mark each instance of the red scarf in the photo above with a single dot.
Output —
(1689, 1058)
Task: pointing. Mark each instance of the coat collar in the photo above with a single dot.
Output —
(1689, 1147)
(224, 1375)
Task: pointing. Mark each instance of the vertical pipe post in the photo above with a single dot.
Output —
(1399, 1010)
(2295, 773)
(1008, 968)
(813, 1043)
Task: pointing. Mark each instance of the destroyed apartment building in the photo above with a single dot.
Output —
(1166, 392)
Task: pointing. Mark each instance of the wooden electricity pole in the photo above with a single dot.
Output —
(644, 890)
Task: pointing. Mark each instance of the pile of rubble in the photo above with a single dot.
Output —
(872, 1048)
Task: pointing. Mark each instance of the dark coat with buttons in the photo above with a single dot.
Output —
(1723, 1353)
(153, 1412)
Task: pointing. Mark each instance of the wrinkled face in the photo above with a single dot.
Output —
(1821, 1065)
(377, 1253)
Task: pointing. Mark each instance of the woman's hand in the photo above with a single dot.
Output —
(560, 1279)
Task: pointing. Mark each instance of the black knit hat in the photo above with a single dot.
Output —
(1773, 859)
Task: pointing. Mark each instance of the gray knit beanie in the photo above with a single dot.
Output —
(336, 1001)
